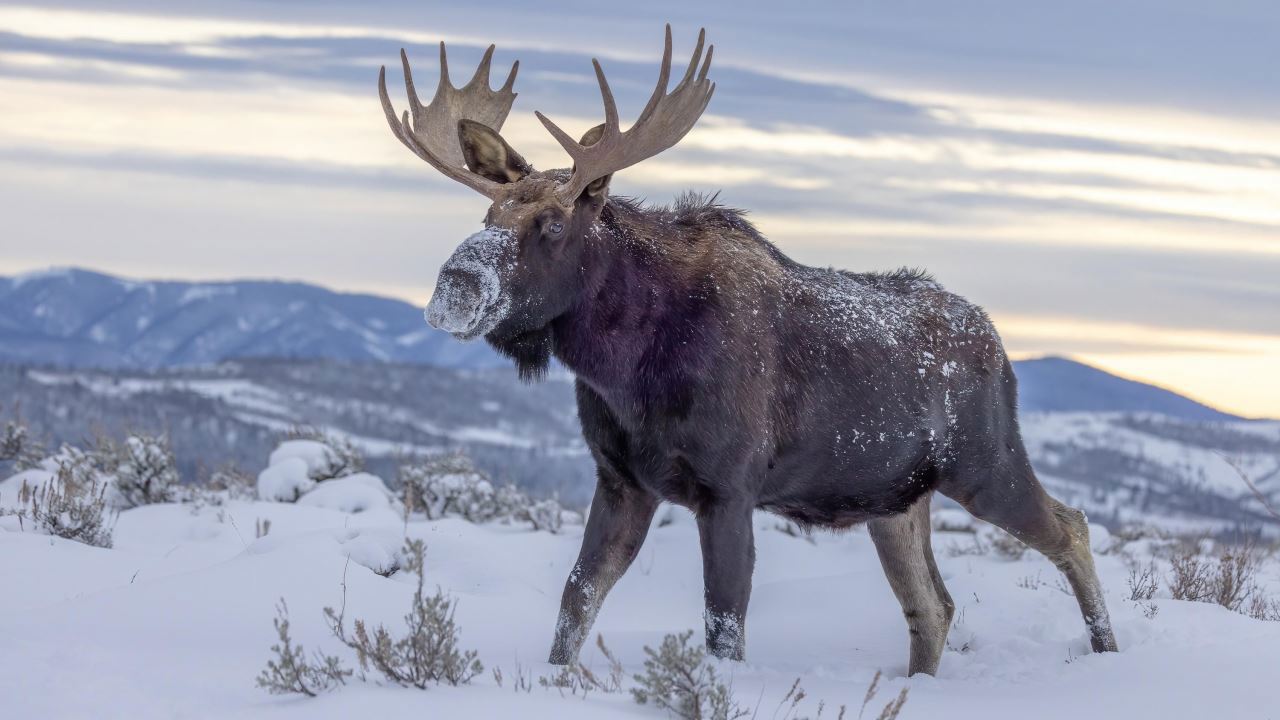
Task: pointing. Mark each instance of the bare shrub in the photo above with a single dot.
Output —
(291, 671)
(975, 546)
(1229, 579)
(1190, 575)
(577, 677)
(71, 505)
(1004, 544)
(1262, 607)
(1143, 584)
(679, 679)
(235, 482)
(428, 653)
(145, 470)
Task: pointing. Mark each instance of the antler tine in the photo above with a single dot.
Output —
(444, 68)
(693, 62)
(433, 133)
(666, 118)
(664, 77)
(482, 70)
(610, 107)
(511, 78)
(409, 88)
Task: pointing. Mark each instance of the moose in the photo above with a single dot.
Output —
(714, 372)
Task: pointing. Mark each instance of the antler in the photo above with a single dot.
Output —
(434, 133)
(664, 120)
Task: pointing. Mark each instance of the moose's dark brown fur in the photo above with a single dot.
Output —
(716, 373)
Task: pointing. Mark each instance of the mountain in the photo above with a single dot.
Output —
(79, 318)
(1055, 384)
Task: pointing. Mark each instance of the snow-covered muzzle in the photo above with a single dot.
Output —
(470, 298)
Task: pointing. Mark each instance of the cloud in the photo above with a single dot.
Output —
(1002, 160)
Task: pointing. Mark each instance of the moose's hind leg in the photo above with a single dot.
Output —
(1014, 500)
(907, 558)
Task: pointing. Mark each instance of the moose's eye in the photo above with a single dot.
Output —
(555, 228)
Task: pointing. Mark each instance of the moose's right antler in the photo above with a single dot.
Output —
(433, 135)
(664, 120)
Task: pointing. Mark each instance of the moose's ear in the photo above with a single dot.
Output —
(598, 188)
(488, 155)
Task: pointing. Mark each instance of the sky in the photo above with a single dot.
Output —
(1102, 175)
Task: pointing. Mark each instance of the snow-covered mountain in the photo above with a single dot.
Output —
(79, 318)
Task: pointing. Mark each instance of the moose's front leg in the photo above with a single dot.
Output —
(728, 559)
(616, 527)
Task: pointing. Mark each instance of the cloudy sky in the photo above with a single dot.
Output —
(1102, 175)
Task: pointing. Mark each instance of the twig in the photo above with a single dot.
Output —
(1235, 465)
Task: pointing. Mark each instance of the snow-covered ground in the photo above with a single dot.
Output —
(175, 622)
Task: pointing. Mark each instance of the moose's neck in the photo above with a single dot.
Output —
(635, 306)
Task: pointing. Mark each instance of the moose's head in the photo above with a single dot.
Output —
(527, 265)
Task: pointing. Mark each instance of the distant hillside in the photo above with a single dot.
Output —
(79, 318)
(1121, 468)
(1054, 384)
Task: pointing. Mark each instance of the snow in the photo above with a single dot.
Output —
(10, 488)
(285, 480)
(352, 494)
(196, 293)
(317, 456)
(175, 621)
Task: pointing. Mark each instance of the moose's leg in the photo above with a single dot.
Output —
(616, 527)
(728, 559)
(907, 558)
(1015, 501)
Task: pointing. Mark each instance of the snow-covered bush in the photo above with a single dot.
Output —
(679, 679)
(285, 481)
(351, 494)
(427, 654)
(544, 515)
(70, 502)
(17, 447)
(296, 465)
(338, 458)
(292, 671)
(145, 470)
(452, 486)
(226, 483)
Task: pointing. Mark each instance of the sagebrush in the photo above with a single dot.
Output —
(291, 670)
(71, 505)
(427, 653)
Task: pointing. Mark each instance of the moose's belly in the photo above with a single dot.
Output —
(826, 486)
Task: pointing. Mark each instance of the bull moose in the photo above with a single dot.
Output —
(714, 372)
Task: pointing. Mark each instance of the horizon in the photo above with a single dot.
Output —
(46, 272)
(1108, 191)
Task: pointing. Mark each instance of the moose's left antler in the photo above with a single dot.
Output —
(433, 136)
(664, 120)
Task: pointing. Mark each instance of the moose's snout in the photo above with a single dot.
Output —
(457, 306)
(469, 300)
